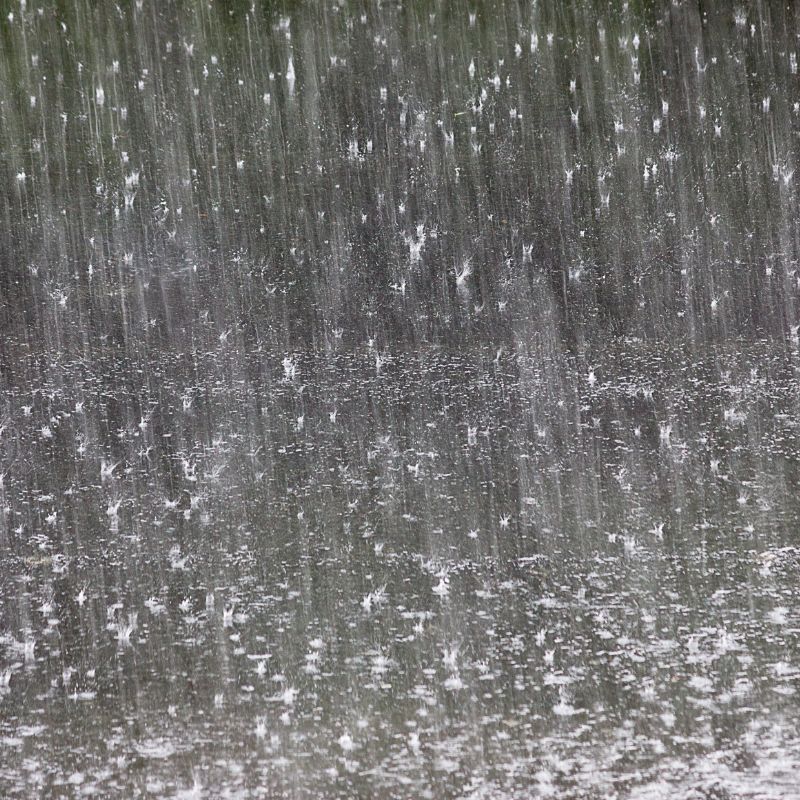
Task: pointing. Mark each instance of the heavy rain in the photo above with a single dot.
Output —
(399, 399)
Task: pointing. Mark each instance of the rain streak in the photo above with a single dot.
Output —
(399, 399)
